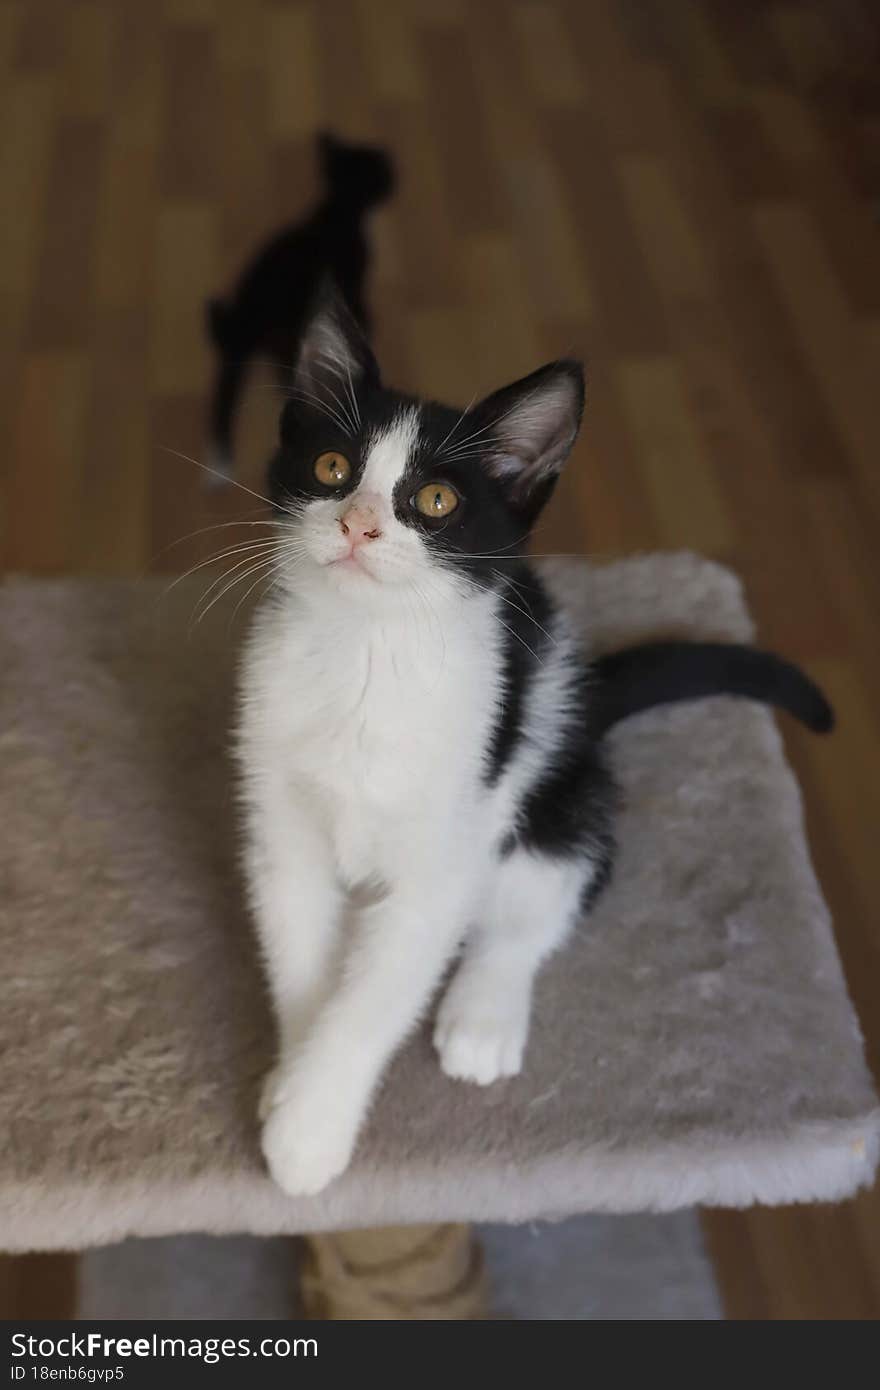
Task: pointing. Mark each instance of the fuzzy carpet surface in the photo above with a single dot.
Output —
(694, 1043)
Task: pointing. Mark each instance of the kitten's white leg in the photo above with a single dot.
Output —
(483, 1020)
(402, 946)
(296, 903)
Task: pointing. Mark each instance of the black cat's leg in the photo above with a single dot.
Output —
(228, 387)
(351, 277)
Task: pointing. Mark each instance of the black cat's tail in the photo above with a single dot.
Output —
(663, 673)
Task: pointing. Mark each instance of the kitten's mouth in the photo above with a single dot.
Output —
(350, 563)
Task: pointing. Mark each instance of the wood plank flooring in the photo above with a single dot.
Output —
(686, 192)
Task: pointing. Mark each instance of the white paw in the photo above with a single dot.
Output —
(308, 1139)
(480, 1044)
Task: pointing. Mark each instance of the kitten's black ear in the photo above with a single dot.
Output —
(530, 427)
(333, 351)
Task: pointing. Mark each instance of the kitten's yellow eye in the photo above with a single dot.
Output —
(436, 500)
(332, 469)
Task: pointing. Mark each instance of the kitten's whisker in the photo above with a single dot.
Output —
(469, 439)
(220, 526)
(249, 559)
(490, 554)
(521, 640)
(215, 473)
(341, 403)
(296, 506)
(526, 555)
(557, 555)
(354, 400)
(494, 423)
(265, 542)
(282, 564)
(517, 637)
(439, 450)
(467, 454)
(252, 565)
(322, 406)
(524, 611)
(460, 617)
(334, 366)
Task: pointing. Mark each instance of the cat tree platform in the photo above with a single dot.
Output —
(694, 1043)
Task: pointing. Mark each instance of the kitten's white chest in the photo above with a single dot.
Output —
(376, 728)
(355, 720)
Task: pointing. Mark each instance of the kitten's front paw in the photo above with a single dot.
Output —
(480, 1044)
(306, 1142)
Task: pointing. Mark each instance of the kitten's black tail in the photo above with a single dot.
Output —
(663, 673)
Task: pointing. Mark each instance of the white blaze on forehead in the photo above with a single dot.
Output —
(389, 452)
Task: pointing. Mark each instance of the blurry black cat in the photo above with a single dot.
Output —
(264, 315)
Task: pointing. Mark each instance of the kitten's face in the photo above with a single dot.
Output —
(390, 499)
(395, 499)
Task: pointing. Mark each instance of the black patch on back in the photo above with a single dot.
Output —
(569, 811)
(526, 612)
(572, 804)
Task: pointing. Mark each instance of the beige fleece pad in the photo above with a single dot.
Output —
(694, 1042)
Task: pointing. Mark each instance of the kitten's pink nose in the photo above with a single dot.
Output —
(362, 521)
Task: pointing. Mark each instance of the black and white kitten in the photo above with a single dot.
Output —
(420, 732)
(266, 311)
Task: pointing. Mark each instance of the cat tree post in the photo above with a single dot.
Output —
(421, 1272)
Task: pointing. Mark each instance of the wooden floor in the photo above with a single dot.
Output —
(685, 193)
